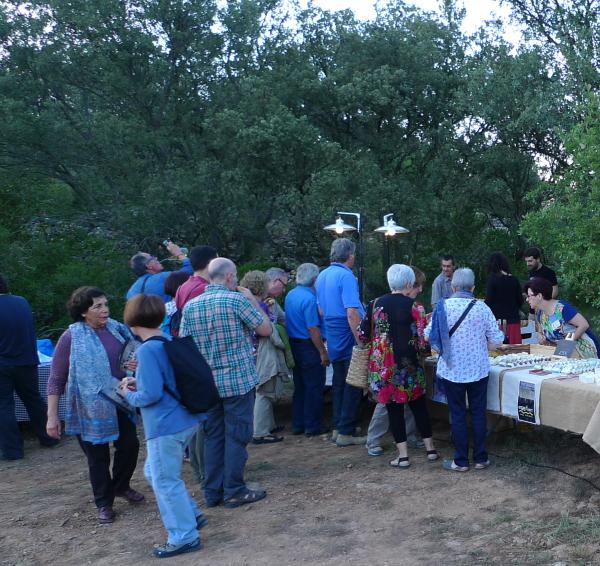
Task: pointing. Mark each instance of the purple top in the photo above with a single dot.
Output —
(59, 372)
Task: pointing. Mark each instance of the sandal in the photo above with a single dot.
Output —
(269, 439)
(400, 462)
(251, 496)
(432, 455)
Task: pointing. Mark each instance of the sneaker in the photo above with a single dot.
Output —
(167, 550)
(482, 465)
(451, 466)
(251, 496)
(374, 450)
(106, 515)
(349, 440)
(201, 522)
(334, 435)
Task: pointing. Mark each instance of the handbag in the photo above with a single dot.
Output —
(359, 363)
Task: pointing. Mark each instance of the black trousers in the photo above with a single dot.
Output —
(127, 447)
(24, 381)
(419, 411)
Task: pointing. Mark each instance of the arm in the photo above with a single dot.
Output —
(264, 327)
(493, 334)
(317, 340)
(436, 293)
(581, 324)
(149, 377)
(53, 427)
(354, 319)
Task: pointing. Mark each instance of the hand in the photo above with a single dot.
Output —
(324, 359)
(542, 338)
(53, 427)
(247, 293)
(174, 249)
(270, 301)
(131, 365)
(127, 384)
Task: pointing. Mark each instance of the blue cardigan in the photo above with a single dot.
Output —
(162, 413)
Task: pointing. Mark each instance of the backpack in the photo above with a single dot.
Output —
(196, 389)
(175, 322)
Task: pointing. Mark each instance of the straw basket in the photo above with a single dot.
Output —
(358, 369)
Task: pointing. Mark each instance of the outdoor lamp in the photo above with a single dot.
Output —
(390, 228)
(339, 227)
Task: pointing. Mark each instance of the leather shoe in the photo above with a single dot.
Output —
(131, 495)
(106, 515)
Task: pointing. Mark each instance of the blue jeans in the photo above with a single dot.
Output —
(346, 399)
(23, 380)
(178, 510)
(476, 391)
(309, 384)
(227, 432)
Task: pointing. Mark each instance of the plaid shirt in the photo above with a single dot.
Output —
(222, 322)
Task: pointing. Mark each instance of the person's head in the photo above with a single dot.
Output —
(256, 282)
(90, 305)
(538, 290)
(222, 271)
(342, 251)
(143, 263)
(533, 258)
(420, 279)
(307, 274)
(174, 281)
(448, 265)
(201, 256)
(498, 263)
(3, 286)
(463, 280)
(277, 280)
(400, 277)
(144, 311)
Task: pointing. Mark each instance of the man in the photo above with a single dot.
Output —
(221, 322)
(200, 257)
(151, 277)
(537, 269)
(303, 327)
(18, 372)
(339, 301)
(277, 280)
(441, 287)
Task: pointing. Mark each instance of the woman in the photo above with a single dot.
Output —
(504, 296)
(270, 366)
(461, 331)
(395, 376)
(556, 319)
(175, 280)
(86, 359)
(167, 424)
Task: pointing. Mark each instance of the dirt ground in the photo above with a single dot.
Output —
(327, 505)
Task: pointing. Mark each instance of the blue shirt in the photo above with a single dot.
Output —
(155, 283)
(301, 312)
(337, 290)
(161, 412)
(17, 332)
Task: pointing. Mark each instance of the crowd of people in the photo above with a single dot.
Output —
(252, 346)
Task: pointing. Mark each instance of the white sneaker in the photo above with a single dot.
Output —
(375, 450)
(348, 440)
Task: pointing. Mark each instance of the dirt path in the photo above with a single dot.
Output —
(326, 505)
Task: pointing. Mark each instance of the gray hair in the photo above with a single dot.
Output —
(341, 250)
(400, 276)
(218, 268)
(138, 263)
(463, 279)
(276, 273)
(306, 274)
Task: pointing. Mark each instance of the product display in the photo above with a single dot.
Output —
(522, 359)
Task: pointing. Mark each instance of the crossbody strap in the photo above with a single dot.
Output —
(145, 281)
(462, 317)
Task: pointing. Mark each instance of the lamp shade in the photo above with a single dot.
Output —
(390, 228)
(339, 227)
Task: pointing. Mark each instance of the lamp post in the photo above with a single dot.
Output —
(389, 230)
(339, 228)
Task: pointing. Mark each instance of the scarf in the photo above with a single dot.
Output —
(88, 413)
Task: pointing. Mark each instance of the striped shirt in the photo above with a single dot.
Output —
(221, 322)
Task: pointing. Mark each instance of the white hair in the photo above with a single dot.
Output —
(306, 274)
(341, 250)
(463, 279)
(276, 273)
(400, 276)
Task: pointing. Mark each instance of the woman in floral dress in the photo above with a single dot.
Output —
(395, 376)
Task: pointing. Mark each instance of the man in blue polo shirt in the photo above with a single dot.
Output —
(303, 325)
(339, 301)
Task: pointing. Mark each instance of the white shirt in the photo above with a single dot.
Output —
(468, 345)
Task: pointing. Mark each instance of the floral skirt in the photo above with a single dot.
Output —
(397, 384)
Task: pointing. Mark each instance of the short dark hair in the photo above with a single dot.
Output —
(81, 300)
(498, 263)
(138, 263)
(448, 257)
(200, 256)
(533, 252)
(539, 286)
(147, 311)
(174, 281)
(3, 285)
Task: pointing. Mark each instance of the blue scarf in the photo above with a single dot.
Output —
(439, 336)
(89, 414)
